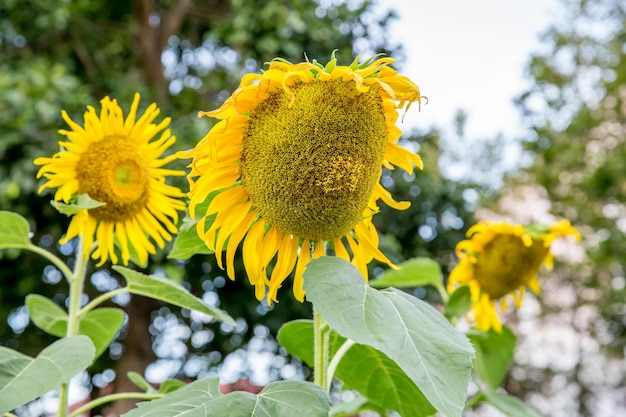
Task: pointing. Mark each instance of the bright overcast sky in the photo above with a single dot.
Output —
(470, 55)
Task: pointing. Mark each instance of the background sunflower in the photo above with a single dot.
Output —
(115, 162)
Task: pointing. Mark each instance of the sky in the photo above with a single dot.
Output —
(470, 55)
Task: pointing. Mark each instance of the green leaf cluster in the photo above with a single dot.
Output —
(203, 398)
(23, 378)
(402, 341)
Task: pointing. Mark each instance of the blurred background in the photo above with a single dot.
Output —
(526, 121)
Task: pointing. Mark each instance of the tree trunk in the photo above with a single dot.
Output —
(138, 352)
(154, 27)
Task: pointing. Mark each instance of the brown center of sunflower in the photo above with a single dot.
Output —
(114, 172)
(505, 264)
(310, 160)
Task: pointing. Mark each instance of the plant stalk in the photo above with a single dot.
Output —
(100, 299)
(76, 284)
(321, 338)
(115, 397)
(334, 363)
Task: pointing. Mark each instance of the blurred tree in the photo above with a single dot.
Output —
(577, 111)
(440, 212)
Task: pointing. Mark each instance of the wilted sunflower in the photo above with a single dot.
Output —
(114, 161)
(294, 165)
(500, 260)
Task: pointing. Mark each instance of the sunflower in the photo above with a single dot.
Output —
(499, 261)
(115, 161)
(293, 167)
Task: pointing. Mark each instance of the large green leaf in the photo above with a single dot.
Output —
(14, 230)
(184, 401)
(362, 368)
(459, 303)
(99, 325)
(494, 353)
(23, 379)
(416, 272)
(432, 353)
(203, 399)
(187, 244)
(166, 290)
(509, 405)
(47, 315)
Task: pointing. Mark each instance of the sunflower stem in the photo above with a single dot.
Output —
(100, 299)
(479, 397)
(321, 338)
(114, 397)
(76, 283)
(334, 363)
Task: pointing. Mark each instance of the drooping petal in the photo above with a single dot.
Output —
(301, 147)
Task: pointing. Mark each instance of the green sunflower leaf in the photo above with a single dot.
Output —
(509, 405)
(24, 379)
(187, 244)
(416, 272)
(170, 385)
(100, 325)
(494, 353)
(140, 382)
(46, 315)
(182, 401)
(166, 290)
(81, 202)
(459, 303)
(363, 368)
(296, 337)
(203, 399)
(14, 230)
(432, 353)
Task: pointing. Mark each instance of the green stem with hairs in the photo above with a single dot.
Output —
(115, 397)
(321, 338)
(334, 363)
(76, 282)
(100, 299)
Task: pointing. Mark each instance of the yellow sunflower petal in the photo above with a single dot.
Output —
(303, 259)
(285, 263)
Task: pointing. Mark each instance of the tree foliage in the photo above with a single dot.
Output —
(576, 108)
